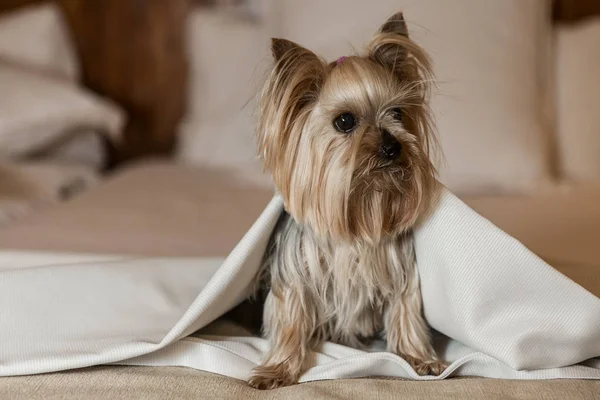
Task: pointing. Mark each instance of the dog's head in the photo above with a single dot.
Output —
(348, 142)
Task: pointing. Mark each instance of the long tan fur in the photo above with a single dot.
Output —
(341, 263)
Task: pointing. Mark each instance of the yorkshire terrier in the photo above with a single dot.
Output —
(348, 145)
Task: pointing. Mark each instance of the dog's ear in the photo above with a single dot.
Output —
(392, 48)
(295, 61)
(291, 88)
(297, 70)
(388, 45)
(395, 25)
(283, 47)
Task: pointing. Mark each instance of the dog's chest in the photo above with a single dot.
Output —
(349, 286)
(360, 286)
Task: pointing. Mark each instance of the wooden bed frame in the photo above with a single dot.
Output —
(133, 51)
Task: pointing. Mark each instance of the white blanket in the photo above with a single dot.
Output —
(500, 310)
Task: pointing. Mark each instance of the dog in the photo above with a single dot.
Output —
(349, 147)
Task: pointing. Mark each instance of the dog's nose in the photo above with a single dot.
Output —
(390, 148)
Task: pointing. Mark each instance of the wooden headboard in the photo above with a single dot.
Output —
(133, 51)
(569, 11)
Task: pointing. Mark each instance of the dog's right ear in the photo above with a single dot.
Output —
(291, 87)
(297, 69)
(283, 49)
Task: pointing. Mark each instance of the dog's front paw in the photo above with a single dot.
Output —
(427, 367)
(265, 377)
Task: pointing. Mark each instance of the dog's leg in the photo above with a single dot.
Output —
(407, 332)
(289, 329)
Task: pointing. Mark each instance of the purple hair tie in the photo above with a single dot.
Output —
(339, 60)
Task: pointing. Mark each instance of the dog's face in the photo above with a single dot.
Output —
(348, 143)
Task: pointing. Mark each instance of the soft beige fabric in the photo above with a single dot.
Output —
(578, 98)
(37, 36)
(27, 187)
(158, 209)
(37, 110)
(561, 226)
(165, 383)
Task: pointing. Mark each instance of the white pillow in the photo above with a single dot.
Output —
(489, 59)
(37, 111)
(578, 99)
(229, 55)
(85, 148)
(38, 36)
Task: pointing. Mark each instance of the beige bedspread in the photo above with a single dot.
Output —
(165, 383)
(151, 209)
(562, 226)
(160, 209)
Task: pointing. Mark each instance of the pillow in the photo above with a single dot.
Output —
(37, 110)
(85, 148)
(37, 36)
(228, 59)
(489, 59)
(578, 100)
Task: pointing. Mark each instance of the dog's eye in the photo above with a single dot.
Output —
(397, 114)
(345, 123)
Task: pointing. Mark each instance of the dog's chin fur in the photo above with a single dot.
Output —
(341, 263)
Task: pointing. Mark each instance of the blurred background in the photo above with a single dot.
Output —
(92, 89)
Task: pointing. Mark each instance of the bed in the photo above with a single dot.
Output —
(167, 223)
(150, 205)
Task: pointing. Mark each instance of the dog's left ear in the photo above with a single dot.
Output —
(395, 25)
(389, 46)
